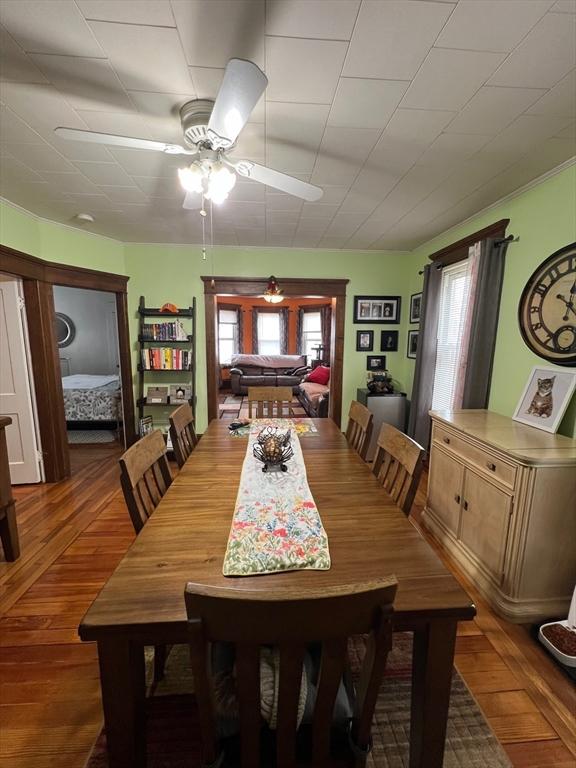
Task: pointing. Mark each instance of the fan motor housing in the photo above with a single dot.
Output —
(194, 116)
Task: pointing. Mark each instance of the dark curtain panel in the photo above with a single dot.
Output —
(419, 423)
(254, 331)
(299, 328)
(283, 330)
(326, 325)
(484, 324)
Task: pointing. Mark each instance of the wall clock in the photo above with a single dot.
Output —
(547, 309)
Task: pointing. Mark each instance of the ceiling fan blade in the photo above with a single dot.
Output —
(192, 201)
(121, 141)
(279, 180)
(242, 86)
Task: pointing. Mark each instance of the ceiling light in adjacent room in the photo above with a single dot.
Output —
(273, 292)
(84, 218)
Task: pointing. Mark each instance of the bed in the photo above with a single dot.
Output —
(90, 398)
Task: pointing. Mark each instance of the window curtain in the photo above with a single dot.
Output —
(255, 331)
(484, 311)
(299, 330)
(423, 385)
(462, 365)
(240, 330)
(326, 326)
(284, 315)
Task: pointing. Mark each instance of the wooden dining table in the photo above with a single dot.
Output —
(185, 540)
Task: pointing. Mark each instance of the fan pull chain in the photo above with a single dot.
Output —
(203, 217)
(212, 283)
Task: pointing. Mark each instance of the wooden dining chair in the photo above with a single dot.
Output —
(145, 477)
(182, 433)
(291, 621)
(398, 465)
(269, 401)
(359, 430)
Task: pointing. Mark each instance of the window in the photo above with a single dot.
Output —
(453, 304)
(311, 333)
(268, 333)
(227, 334)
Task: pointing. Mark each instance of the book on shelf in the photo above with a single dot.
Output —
(166, 359)
(173, 331)
(146, 425)
(157, 395)
(180, 393)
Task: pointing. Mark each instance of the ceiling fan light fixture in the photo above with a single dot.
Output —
(191, 178)
(220, 182)
(273, 292)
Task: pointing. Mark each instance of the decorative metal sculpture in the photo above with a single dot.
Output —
(273, 449)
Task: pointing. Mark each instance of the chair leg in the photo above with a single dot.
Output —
(160, 655)
(9, 533)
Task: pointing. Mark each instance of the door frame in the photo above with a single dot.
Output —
(291, 286)
(38, 278)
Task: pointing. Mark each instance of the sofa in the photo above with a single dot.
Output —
(266, 371)
(314, 392)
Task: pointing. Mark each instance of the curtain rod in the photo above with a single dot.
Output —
(509, 239)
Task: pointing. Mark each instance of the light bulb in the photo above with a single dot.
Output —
(191, 178)
(220, 182)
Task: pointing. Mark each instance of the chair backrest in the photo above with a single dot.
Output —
(398, 465)
(145, 477)
(289, 620)
(269, 401)
(182, 433)
(359, 430)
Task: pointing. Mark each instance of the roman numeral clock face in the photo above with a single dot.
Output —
(547, 310)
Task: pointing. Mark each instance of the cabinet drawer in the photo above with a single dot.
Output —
(502, 470)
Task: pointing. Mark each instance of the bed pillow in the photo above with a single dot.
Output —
(320, 375)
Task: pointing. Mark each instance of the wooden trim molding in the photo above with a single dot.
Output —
(292, 286)
(32, 268)
(459, 250)
(38, 278)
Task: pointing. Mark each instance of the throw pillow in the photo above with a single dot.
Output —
(320, 375)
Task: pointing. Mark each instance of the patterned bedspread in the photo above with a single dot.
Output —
(96, 403)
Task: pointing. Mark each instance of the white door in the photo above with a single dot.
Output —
(16, 386)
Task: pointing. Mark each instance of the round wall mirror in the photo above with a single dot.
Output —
(65, 329)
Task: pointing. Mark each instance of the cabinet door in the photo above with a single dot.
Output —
(445, 489)
(485, 521)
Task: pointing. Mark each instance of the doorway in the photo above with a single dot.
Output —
(88, 353)
(231, 287)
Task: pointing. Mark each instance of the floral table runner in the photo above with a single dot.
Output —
(276, 525)
(300, 426)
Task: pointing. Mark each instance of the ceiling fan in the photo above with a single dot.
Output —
(210, 131)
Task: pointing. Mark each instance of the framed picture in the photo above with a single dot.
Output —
(364, 341)
(415, 307)
(388, 341)
(376, 363)
(412, 344)
(545, 398)
(377, 309)
(146, 426)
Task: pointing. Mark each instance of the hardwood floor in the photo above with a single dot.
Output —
(74, 533)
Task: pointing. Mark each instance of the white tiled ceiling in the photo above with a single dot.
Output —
(411, 114)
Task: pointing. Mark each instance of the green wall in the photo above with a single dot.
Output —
(172, 273)
(56, 242)
(544, 218)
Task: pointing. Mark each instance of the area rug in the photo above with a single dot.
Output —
(85, 436)
(174, 738)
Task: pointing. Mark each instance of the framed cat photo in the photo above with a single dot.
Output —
(545, 398)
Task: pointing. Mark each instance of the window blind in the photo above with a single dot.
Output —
(227, 334)
(311, 333)
(269, 333)
(454, 293)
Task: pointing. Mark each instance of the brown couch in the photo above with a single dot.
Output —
(266, 371)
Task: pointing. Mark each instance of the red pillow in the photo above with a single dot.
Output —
(320, 375)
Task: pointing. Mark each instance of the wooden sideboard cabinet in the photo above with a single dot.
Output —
(502, 501)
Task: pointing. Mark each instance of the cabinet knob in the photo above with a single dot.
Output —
(457, 498)
(446, 440)
(465, 505)
(491, 466)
